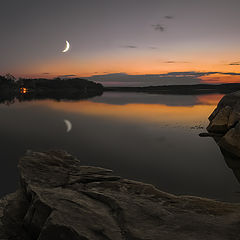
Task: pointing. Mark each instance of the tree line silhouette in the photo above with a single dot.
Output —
(41, 88)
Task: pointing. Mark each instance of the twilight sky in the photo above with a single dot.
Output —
(123, 39)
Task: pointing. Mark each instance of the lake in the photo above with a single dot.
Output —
(145, 137)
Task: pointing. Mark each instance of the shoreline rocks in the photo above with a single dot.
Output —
(208, 134)
(60, 199)
(225, 120)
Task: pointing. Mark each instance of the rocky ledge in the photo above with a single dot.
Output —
(60, 199)
(225, 120)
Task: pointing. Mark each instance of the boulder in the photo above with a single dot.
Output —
(225, 120)
(219, 123)
(60, 199)
(231, 140)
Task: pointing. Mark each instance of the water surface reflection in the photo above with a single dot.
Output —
(146, 137)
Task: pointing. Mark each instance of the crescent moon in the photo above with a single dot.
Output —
(67, 47)
(68, 125)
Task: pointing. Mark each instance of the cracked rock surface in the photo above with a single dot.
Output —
(60, 199)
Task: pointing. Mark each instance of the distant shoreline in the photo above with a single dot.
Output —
(39, 89)
(77, 89)
(180, 89)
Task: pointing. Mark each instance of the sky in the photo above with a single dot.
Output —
(127, 42)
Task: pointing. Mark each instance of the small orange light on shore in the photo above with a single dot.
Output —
(23, 90)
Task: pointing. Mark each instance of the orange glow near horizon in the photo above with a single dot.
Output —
(220, 78)
(137, 63)
(153, 113)
(209, 79)
(211, 99)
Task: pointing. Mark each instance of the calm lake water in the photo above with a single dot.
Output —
(146, 137)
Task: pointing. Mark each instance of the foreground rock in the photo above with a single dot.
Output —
(59, 199)
(225, 119)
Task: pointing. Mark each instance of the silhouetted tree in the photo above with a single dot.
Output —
(10, 77)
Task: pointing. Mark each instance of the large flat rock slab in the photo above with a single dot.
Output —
(60, 199)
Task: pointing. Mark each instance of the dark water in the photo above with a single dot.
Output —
(151, 138)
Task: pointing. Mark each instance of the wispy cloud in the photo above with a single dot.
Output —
(158, 27)
(234, 64)
(229, 73)
(67, 76)
(169, 62)
(168, 17)
(171, 78)
(129, 46)
(46, 73)
(172, 62)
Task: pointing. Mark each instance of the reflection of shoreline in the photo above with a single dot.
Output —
(209, 99)
(9, 97)
(123, 98)
(136, 112)
(137, 107)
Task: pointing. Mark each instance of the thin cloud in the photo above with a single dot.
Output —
(229, 73)
(46, 73)
(171, 78)
(234, 64)
(168, 17)
(153, 48)
(67, 76)
(129, 46)
(158, 27)
(172, 62)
